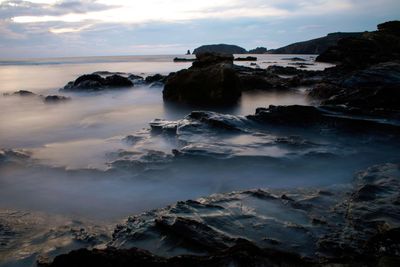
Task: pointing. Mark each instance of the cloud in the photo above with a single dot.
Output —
(17, 8)
(50, 27)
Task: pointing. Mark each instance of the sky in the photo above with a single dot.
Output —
(62, 28)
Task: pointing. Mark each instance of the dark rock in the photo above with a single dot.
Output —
(248, 58)
(118, 81)
(155, 78)
(301, 64)
(207, 59)
(314, 46)
(188, 52)
(55, 99)
(289, 115)
(23, 93)
(301, 116)
(135, 77)
(294, 59)
(210, 81)
(188, 230)
(370, 48)
(392, 27)
(178, 59)
(220, 48)
(258, 50)
(375, 87)
(244, 253)
(280, 70)
(94, 82)
(46, 99)
(108, 73)
(257, 228)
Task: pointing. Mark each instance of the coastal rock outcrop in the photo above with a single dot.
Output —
(248, 58)
(95, 82)
(46, 99)
(314, 46)
(155, 78)
(374, 87)
(210, 81)
(220, 48)
(357, 225)
(370, 48)
(258, 50)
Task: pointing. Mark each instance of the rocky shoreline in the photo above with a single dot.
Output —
(342, 227)
(356, 111)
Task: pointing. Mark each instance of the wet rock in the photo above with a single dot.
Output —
(280, 70)
(134, 77)
(210, 81)
(94, 82)
(248, 58)
(288, 115)
(46, 99)
(242, 254)
(376, 87)
(155, 78)
(117, 81)
(294, 59)
(265, 228)
(207, 59)
(320, 117)
(188, 230)
(55, 99)
(20, 93)
(108, 73)
(177, 59)
(258, 79)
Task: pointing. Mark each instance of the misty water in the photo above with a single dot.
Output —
(71, 144)
(92, 161)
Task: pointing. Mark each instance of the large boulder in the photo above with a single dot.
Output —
(210, 81)
(95, 82)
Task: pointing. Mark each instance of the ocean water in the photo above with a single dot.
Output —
(70, 143)
(80, 172)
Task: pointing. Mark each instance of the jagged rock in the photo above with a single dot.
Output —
(370, 48)
(55, 98)
(210, 81)
(314, 46)
(265, 228)
(375, 87)
(94, 82)
(320, 117)
(178, 59)
(155, 78)
(248, 58)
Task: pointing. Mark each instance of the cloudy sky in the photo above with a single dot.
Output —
(49, 28)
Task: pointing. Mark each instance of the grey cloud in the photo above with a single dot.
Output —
(14, 8)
